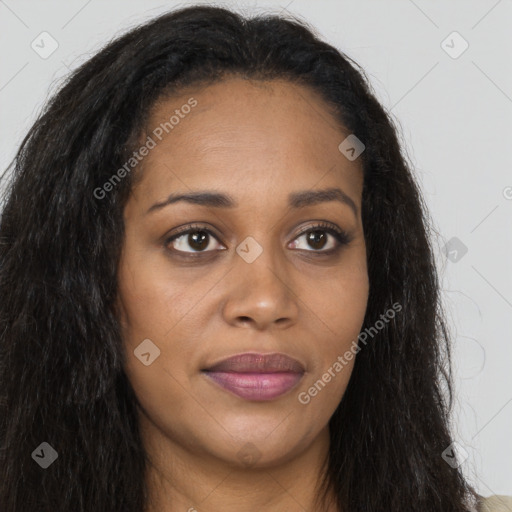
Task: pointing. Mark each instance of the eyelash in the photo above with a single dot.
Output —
(342, 237)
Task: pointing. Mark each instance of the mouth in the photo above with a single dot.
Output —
(256, 377)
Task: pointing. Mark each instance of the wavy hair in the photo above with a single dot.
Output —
(61, 352)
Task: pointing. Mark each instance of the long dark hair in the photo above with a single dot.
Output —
(61, 353)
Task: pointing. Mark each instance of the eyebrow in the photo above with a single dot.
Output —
(295, 199)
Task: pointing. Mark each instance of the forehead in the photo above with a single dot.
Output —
(259, 136)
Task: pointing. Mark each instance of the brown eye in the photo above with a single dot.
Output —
(192, 240)
(317, 239)
(198, 240)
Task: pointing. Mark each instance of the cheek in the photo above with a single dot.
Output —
(340, 302)
(339, 307)
(150, 309)
(154, 298)
(160, 305)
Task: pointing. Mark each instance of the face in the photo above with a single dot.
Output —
(267, 266)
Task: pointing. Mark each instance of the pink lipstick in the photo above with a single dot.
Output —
(258, 377)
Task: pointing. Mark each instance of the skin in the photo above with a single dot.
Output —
(258, 142)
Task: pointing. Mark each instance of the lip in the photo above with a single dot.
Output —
(258, 377)
(252, 362)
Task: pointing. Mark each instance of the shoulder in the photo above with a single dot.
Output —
(496, 504)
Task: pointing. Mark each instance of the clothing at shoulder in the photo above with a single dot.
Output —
(496, 504)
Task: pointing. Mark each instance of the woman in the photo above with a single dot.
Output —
(218, 288)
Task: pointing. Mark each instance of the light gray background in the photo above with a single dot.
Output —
(455, 117)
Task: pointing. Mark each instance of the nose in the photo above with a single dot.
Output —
(260, 294)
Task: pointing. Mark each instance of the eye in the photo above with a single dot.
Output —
(317, 237)
(198, 238)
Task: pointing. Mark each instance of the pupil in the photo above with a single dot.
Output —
(197, 240)
(316, 237)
